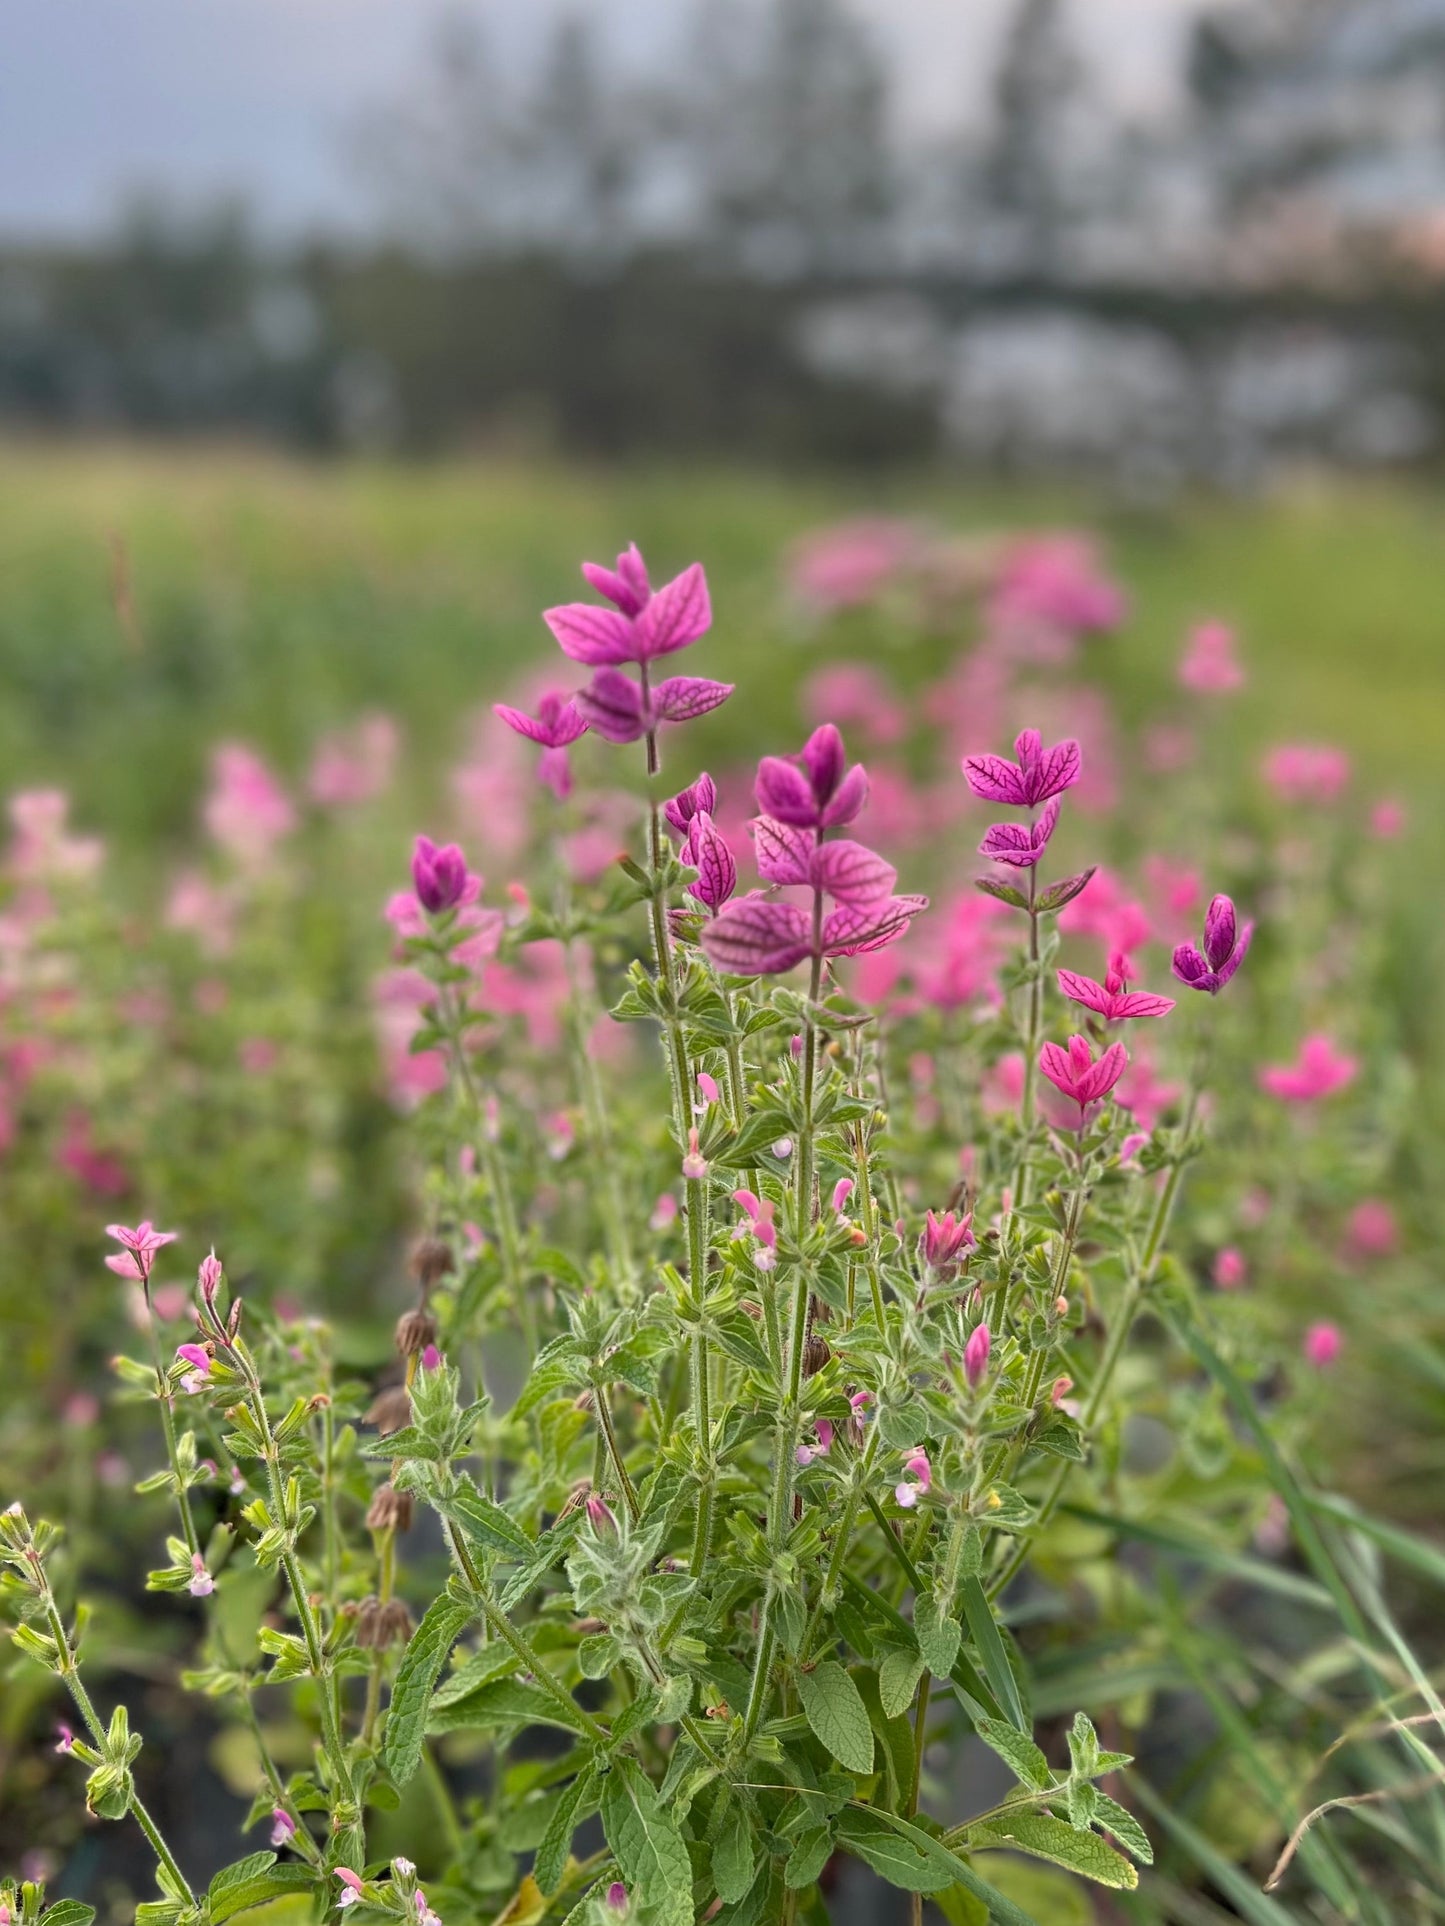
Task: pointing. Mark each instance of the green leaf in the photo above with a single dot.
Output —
(647, 1845)
(983, 1629)
(809, 1856)
(957, 1870)
(551, 1860)
(253, 1881)
(732, 1857)
(868, 1835)
(898, 1678)
(938, 1637)
(1063, 891)
(1084, 1853)
(67, 1912)
(1004, 892)
(505, 1703)
(420, 1668)
(1125, 1828)
(837, 1714)
(487, 1523)
(1017, 1751)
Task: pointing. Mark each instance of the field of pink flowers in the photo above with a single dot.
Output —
(813, 1292)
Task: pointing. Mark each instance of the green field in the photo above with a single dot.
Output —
(272, 599)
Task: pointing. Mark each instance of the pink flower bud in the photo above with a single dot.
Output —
(824, 1429)
(617, 1900)
(975, 1354)
(842, 1191)
(64, 1739)
(1229, 1269)
(1060, 1389)
(431, 1359)
(283, 1826)
(202, 1584)
(601, 1516)
(694, 1164)
(707, 1086)
(196, 1355)
(209, 1278)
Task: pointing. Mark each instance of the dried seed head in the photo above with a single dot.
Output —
(368, 1625)
(431, 1261)
(395, 1623)
(390, 1409)
(390, 1510)
(815, 1355)
(415, 1330)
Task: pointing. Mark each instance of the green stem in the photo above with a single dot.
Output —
(841, 1538)
(604, 1418)
(1024, 1171)
(168, 1426)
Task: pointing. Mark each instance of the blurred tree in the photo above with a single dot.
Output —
(1028, 169)
(792, 150)
(583, 144)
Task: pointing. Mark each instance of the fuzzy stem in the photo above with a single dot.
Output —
(168, 1426)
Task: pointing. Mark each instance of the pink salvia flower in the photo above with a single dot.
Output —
(1019, 846)
(699, 798)
(1323, 1343)
(842, 1191)
(617, 709)
(975, 1355)
(138, 1258)
(202, 1584)
(1209, 665)
(1305, 772)
(641, 625)
(814, 789)
(1074, 1071)
(707, 850)
(919, 1479)
(64, 1739)
(557, 723)
(283, 1826)
(1371, 1230)
(760, 1216)
(438, 874)
(824, 1429)
(1110, 998)
(1230, 1270)
(1319, 1071)
(694, 1164)
(600, 1516)
(1226, 945)
(707, 1087)
(352, 1886)
(1038, 774)
(947, 1239)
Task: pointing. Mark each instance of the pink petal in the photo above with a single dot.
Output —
(852, 873)
(612, 705)
(851, 795)
(1083, 989)
(1139, 1003)
(993, 779)
(755, 937)
(783, 852)
(682, 697)
(852, 931)
(1059, 768)
(678, 614)
(588, 634)
(784, 793)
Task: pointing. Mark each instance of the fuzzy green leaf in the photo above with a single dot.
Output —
(572, 1807)
(647, 1845)
(1016, 1749)
(836, 1712)
(411, 1694)
(1084, 1853)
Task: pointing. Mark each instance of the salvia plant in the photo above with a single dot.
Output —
(739, 1463)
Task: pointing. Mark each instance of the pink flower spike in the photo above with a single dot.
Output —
(975, 1355)
(1110, 999)
(814, 789)
(283, 1826)
(1075, 1072)
(352, 1886)
(1323, 1344)
(947, 1239)
(1319, 1071)
(1038, 774)
(642, 625)
(202, 1584)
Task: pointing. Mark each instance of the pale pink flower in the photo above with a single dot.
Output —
(1372, 1229)
(247, 811)
(42, 846)
(1107, 912)
(283, 1826)
(1209, 665)
(1230, 1270)
(1055, 583)
(137, 1257)
(664, 1212)
(850, 563)
(856, 696)
(202, 1584)
(1388, 819)
(1304, 772)
(353, 766)
(1319, 1071)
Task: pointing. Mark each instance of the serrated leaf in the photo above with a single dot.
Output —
(938, 1637)
(259, 1891)
(67, 1912)
(1017, 1750)
(1053, 1839)
(647, 1845)
(809, 1856)
(239, 1872)
(503, 1704)
(732, 1857)
(835, 1710)
(1113, 1817)
(1001, 1910)
(572, 1808)
(898, 1678)
(487, 1523)
(420, 1668)
(869, 1837)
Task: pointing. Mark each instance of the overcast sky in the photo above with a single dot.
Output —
(99, 98)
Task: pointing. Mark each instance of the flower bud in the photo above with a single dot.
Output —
(438, 874)
(975, 1355)
(283, 1826)
(601, 1516)
(430, 1261)
(389, 1510)
(415, 1330)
